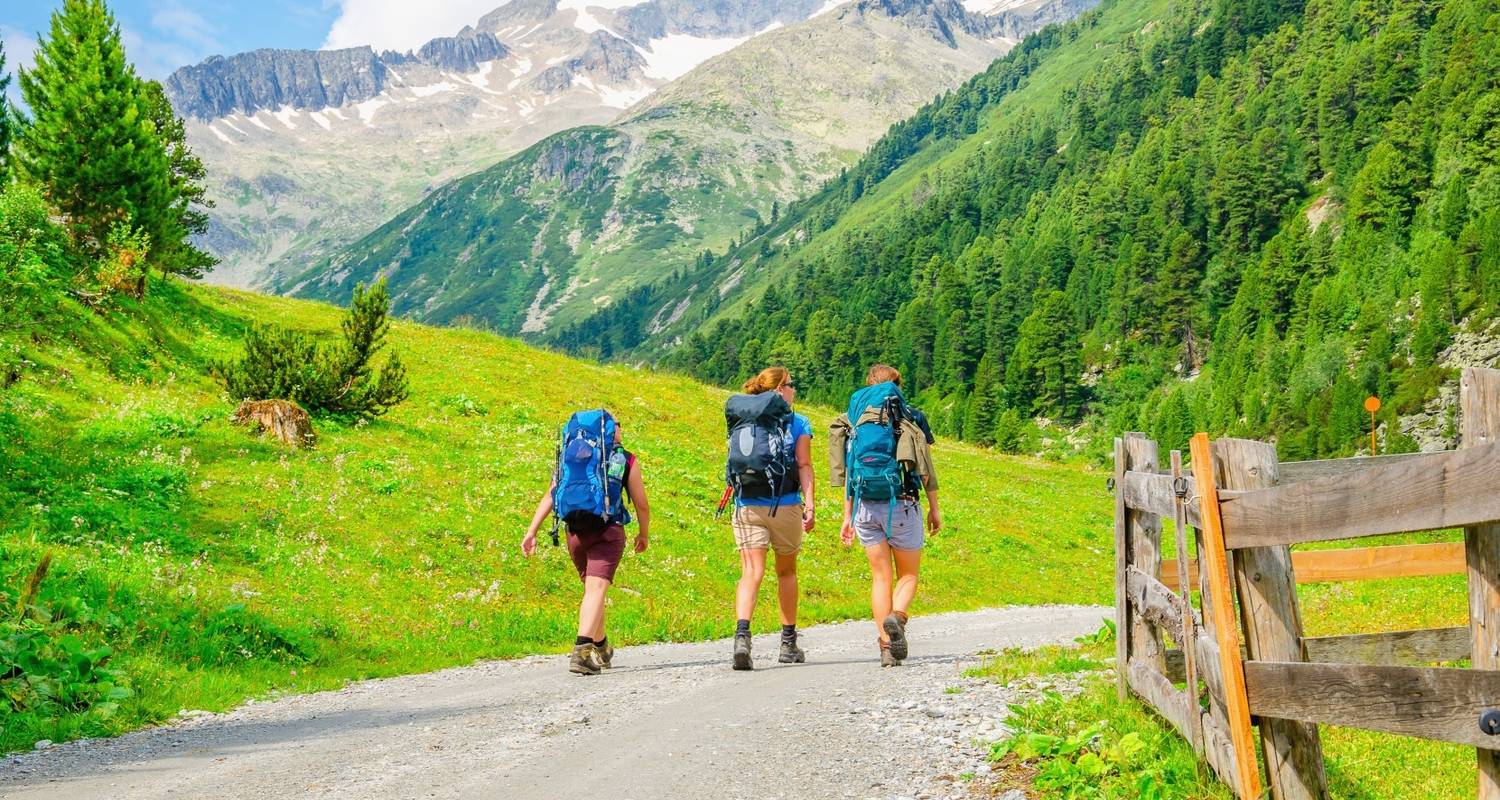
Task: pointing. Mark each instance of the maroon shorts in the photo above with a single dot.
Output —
(597, 554)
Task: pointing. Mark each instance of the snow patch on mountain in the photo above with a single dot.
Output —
(675, 55)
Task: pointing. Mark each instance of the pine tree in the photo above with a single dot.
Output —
(91, 141)
(176, 254)
(7, 121)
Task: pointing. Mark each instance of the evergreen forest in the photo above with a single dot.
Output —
(1254, 216)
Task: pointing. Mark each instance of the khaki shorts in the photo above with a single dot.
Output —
(756, 529)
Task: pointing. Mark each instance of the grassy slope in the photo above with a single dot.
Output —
(234, 567)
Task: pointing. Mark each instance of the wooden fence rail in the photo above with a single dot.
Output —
(1238, 660)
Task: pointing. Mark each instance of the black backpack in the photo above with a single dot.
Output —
(761, 463)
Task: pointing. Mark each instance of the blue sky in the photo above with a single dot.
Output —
(162, 35)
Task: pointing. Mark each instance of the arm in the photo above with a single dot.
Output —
(934, 517)
(846, 531)
(807, 482)
(637, 489)
(543, 508)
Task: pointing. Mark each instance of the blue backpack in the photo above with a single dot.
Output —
(760, 464)
(873, 473)
(588, 486)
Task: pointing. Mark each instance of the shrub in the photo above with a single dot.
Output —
(283, 364)
(47, 667)
(33, 255)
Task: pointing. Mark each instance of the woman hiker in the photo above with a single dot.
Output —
(769, 472)
(594, 473)
(880, 452)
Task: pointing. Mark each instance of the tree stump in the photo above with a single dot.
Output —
(280, 418)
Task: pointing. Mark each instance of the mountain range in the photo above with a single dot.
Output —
(547, 237)
(308, 150)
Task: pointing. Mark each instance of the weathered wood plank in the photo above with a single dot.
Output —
(1428, 702)
(1221, 609)
(1122, 594)
(1153, 493)
(1189, 622)
(1272, 624)
(1479, 402)
(1143, 537)
(1163, 697)
(1155, 602)
(1218, 751)
(1446, 490)
(1298, 471)
(1394, 648)
(1361, 563)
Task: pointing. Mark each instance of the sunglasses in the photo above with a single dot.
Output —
(789, 385)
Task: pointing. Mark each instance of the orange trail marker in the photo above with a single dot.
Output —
(1372, 405)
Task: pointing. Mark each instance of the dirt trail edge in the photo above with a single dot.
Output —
(670, 720)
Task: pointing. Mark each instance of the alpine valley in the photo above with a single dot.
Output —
(308, 150)
(547, 237)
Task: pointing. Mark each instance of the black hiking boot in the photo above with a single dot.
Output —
(582, 662)
(606, 654)
(742, 651)
(790, 652)
(896, 629)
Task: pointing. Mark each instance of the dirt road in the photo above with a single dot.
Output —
(668, 721)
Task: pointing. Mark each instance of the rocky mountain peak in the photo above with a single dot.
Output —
(518, 12)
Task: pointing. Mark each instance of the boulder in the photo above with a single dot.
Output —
(280, 418)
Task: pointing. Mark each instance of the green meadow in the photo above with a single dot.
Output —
(218, 566)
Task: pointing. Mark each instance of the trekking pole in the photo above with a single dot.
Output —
(724, 501)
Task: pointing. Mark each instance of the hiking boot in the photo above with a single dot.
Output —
(742, 651)
(582, 662)
(886, 658)
(606, 654)
(790, 652)
(896, 629)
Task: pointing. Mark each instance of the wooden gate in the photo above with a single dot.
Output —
(1238, 660)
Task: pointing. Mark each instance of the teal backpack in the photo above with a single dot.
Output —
(872, 471)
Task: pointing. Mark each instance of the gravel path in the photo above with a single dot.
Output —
(671, 720)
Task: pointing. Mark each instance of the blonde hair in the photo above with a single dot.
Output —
(766, 380)
(880, 373)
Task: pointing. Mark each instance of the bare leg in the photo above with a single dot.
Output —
(752, 570)
(880, 584)
(786, 587)
(908, 563)
(591, 610)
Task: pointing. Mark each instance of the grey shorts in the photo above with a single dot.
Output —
(905, 528)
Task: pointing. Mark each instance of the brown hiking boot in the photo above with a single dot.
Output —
(895, 628)
(582, 661)
(606, 654)
(886, 658)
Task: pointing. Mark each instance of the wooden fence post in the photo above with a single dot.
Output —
(1143, 540)
(1480, 403)
(1122, 566)
(1219, 606)
(1272, 624)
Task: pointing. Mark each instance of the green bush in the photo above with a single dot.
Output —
(283, 364)
(33, 255)
(50, 665)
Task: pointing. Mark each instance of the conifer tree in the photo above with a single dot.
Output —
(7, 121)
(177, 255)
(91, 142)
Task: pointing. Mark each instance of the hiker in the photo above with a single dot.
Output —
(594, 474)
(880, 451)
(768, 472)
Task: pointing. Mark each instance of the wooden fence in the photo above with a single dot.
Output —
(1238, 661)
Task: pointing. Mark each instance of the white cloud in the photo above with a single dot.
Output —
(402, 24)
(187, 26)
(20, 49)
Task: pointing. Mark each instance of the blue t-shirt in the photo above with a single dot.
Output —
(800, 428)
